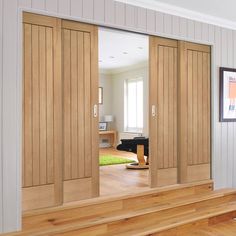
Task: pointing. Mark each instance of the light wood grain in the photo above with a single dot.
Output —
(116, 215)
(80, 78)
(194, 113)
(42, 114)
(163, 126)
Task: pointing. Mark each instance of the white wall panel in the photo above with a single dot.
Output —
(198, 30)
(217, 171)
(116, 14)
(25, 3)
(151, 21)
(39, 4)
(183, 30)
(175, 25)
(224, 126)
(205, 32)
(120, 13)
(191, 29)
(88, 9)
(51, 5)
(109, 11)
(159, 22)
(234, 125)
(211, 33)
(64, 7)
(9, 133)
(168, 24)
(141, 18)
(130, 17)
(99, 14)
(1, 156)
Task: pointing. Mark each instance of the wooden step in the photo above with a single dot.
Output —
(104, 208)
(156, 219)
(168, 226)
(123, 222)
(204, 228)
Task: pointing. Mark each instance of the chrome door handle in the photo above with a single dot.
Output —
(95, 110)
(153, 110)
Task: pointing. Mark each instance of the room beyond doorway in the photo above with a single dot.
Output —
(123, 108)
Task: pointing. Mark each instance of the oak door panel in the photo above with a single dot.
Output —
(80, 94)
(42, 104)
(163, 124)
(194, 112)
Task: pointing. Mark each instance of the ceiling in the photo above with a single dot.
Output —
(119, 50)
(224, 9)
(216, 12)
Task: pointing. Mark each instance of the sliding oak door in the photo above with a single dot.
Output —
(80, 99)
(163, 111)
(42, 109)
(194, 112)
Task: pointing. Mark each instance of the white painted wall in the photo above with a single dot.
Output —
(105, 82)
(107, 13)
(118, 96)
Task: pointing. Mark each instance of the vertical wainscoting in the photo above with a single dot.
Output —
(1, 156)
(114, 14)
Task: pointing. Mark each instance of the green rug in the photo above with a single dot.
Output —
(113, 160)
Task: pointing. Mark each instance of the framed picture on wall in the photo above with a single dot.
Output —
(227, 94)
(100, 95)
(102, 126)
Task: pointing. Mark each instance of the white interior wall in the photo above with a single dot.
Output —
(105, 82)
(118, 96)
(113, 14)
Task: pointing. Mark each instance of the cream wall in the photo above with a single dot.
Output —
(113, 96)
(118, 96)
(112, 14)
(106, 108)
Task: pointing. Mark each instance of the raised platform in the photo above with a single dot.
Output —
(162, 211)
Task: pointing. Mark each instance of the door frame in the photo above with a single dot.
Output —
(19, 79)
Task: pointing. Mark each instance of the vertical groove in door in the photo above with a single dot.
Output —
(81, 97)
(88, 107)
(67, 103)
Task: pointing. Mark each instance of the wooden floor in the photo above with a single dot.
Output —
(227, 228)
(116, 179)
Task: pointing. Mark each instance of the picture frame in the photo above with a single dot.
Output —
(102, 126)
(100, 95)
(227, 94)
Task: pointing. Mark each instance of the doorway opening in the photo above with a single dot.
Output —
(123, 110)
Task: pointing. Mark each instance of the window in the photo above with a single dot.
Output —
(133, 113)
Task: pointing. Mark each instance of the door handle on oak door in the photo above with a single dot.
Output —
(95, 110)
(153, 110)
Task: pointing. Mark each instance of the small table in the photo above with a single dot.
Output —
(110, 135)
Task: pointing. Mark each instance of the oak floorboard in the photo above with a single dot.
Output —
(116, 179)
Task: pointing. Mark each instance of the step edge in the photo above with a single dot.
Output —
(107, 199)
(126, 215)
(175, 225)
